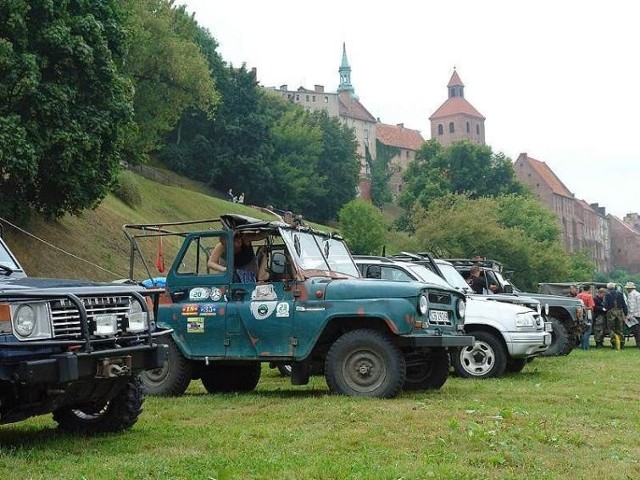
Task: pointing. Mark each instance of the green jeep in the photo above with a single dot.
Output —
(308, 308)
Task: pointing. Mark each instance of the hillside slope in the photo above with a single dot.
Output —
(96, 236)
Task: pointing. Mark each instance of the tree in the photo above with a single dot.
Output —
(169, 70)
(458, 226)
(460, 168)
(64, 105)
(362, 227)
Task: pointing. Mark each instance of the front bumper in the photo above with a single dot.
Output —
(527, 344)
(69, 366)
(436, 341)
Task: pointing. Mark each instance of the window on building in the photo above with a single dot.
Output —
(313, 98)
(477, 129)
(366, 133)
(326, 99)
(440, 129)
(307, 98)
(451, 127)
(406, 154)
(297, 98)
(468, 127)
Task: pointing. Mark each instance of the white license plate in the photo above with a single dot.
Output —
(548, 327)
(438, 316)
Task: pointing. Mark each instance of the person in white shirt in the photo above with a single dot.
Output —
(633, 319)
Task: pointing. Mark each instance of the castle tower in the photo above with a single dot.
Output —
(457, 119)
(345, 74)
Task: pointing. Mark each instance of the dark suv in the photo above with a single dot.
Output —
(73, 348)
(308, 308)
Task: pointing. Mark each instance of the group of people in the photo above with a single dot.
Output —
(609, 312)
(235, 199)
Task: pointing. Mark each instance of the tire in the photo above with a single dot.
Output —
(515, 365)
(427, 371)
(115, 415)
(365, 363)
(485, 359)
(560, 344)
(240, 377)
(173, 378)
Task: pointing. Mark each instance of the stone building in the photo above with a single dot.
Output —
(345, 105)
(400, 145)
(456, 119)
(625, 244)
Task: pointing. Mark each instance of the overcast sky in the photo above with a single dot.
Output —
(555, 79)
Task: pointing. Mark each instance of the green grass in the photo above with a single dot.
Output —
(562, 417)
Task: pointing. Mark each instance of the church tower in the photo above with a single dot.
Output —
(345, 74)
(457, 119)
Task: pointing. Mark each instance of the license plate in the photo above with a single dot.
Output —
(548, 327)
(438, 316)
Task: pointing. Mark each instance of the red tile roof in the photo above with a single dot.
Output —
(352, 108)
(455, 106)
(455, 80)
(549, 177)
(396, 136)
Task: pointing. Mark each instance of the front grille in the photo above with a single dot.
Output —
(66, 318)
(442, 298)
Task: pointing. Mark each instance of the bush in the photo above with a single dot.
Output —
(127, 189)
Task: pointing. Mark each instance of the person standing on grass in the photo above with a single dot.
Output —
(589, 303)
(633, 320)
(617, 311)
(599, 318)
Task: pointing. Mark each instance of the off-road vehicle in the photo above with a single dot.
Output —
(507, 336)
(566, 314)
(308, 308)
(73, 348)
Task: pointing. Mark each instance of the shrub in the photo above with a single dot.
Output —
(127, 189)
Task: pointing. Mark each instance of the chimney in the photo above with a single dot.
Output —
(319, 88)
(283, 87)
(400, 125)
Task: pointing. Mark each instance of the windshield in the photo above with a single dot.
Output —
(6, 260)
(318, 252)
(453, 277)
(426, 275)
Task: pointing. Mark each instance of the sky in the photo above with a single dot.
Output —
(555, 79)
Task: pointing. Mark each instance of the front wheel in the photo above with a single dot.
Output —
(560, 344)
(115, 415)
(173, 378)
(427, 371)
(365, 363)
(486, 358)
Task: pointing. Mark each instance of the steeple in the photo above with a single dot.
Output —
(455, 86)
(345, 74)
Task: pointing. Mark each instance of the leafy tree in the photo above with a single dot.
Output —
(362, 226)
(381, 173)
(530, 215)
(169, 70)
(460, 168)
(581, 267)
(458, 226)
(64, 105)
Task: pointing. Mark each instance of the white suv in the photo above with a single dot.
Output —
(507, 335)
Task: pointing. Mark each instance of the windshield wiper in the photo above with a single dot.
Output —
(6, 270)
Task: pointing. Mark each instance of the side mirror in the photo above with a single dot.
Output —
(507, 288)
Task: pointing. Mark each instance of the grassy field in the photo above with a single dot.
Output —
(562, 417)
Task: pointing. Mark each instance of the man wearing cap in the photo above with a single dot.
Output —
(633, 320)
(617, 312)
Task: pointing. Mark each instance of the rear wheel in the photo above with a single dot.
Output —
(240, 377)
(173, 378)
(115, 415)
(486, 358)
(515, 365)
(560, 344)
(427, 371)
(365, 363)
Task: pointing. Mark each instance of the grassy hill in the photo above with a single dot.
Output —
(96, 236)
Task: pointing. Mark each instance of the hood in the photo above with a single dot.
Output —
(59, 286)
(485, 307)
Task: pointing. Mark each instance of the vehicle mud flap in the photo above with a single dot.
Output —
(300, 373)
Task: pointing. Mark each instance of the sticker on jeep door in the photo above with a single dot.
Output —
(261, 309)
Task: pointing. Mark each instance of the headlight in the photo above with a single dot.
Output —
(423, 305)
(462, 308)
(138, 320)
(31, 321)
(525, 320)
(25, 320)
